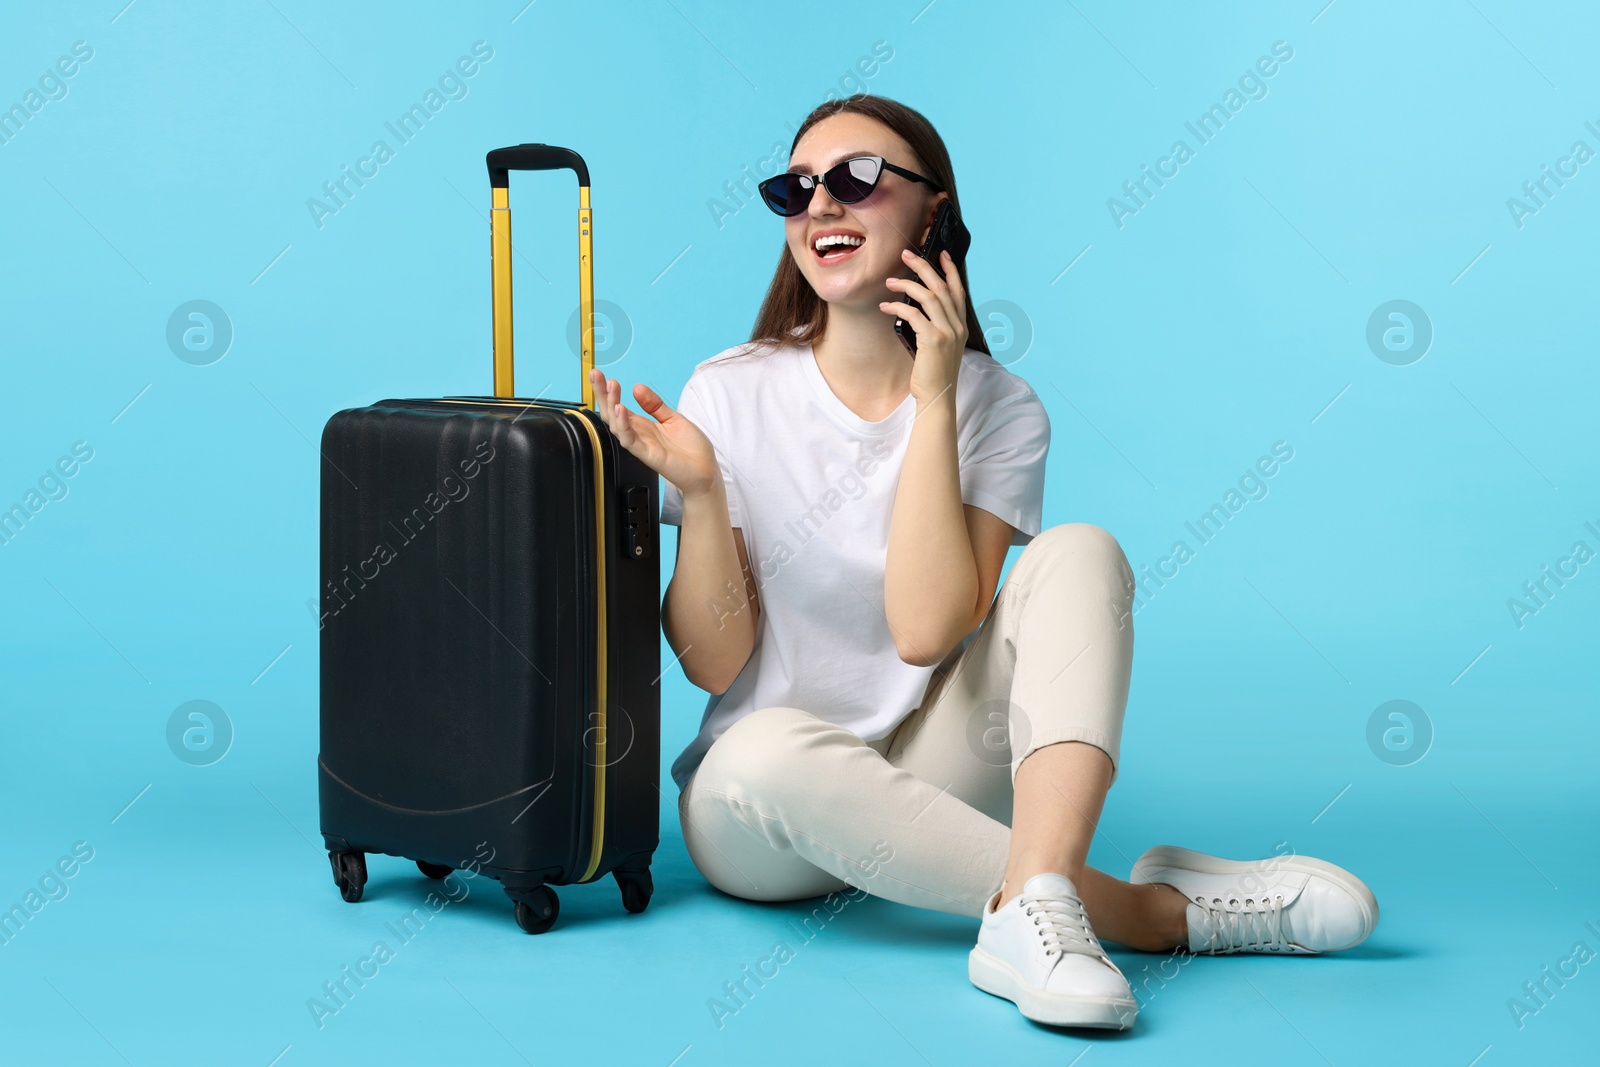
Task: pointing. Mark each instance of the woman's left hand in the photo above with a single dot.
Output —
(941, 327)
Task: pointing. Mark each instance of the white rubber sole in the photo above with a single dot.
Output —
(1188, 859)
(1057, 1009)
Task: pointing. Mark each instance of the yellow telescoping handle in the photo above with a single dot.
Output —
(537, 157)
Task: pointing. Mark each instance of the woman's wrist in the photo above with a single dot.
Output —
(708, 498)
(937, 409)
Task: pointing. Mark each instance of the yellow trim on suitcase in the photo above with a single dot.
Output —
(601, 695)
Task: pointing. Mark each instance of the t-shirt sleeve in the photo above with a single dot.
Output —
(1002, 467)
(703, 414)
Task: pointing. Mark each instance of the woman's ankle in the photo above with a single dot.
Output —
(1169, 917)
(1009, 888)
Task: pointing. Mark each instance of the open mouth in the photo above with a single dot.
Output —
(837, 249)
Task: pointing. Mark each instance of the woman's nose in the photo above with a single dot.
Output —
(821, 198)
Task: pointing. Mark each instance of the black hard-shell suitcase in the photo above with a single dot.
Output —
(490, 637)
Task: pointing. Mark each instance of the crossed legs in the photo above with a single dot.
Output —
(1001, 773)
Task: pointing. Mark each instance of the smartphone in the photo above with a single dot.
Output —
(947, 234)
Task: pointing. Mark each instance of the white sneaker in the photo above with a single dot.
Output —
(1040, 952)
(1294, 905)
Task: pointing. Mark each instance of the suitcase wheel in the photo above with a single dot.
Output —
(636, 888)
(433, 870)
(536, 908)
(349, 873)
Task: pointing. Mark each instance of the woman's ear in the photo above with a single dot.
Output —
(933, 212)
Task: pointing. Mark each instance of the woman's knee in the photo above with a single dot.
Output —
(1086, 548)
(1081, 540)
(1084, 556)
(758, 749)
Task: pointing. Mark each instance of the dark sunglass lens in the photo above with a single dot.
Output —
(853, 179)
(784, 194)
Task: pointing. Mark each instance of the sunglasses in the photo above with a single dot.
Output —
(849, 182)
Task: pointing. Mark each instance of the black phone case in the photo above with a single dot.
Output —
(947, 233)
(490, 646)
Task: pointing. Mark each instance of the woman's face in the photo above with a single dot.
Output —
(895, 216)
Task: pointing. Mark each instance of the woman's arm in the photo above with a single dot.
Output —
(945, 556)
(703, 614)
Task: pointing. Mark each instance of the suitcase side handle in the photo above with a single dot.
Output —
(500, 162)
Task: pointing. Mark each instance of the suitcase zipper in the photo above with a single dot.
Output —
(597, 835)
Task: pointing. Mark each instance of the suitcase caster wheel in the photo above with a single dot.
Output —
(434, 870)
(636, 889)
(538, 912)
(349, 874)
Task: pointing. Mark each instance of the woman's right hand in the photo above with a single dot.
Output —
(672, 446)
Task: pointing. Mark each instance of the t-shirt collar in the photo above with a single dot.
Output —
(841, 414)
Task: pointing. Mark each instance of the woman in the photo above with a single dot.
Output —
(845, 511)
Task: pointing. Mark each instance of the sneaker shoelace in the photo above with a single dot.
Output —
(1063, 924)
(1255, 923)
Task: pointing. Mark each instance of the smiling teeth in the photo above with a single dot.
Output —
(837, 239)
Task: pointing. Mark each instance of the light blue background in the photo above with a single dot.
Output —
(1228, 314)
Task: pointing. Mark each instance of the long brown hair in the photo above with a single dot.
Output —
(790, 299)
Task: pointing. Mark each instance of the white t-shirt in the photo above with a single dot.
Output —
(811, 485)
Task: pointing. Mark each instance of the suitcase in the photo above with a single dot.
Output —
(490, 626)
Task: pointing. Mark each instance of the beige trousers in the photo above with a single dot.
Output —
(786, 805)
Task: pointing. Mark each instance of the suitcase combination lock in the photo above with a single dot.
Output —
(636, 521)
